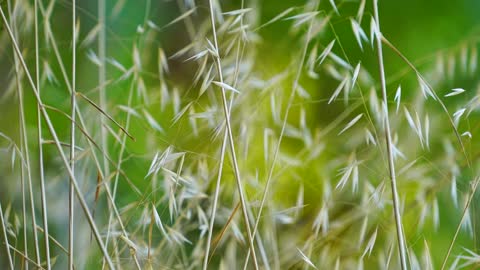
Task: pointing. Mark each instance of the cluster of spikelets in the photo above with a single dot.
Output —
(223, 151)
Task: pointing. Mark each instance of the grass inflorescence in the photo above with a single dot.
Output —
(233, 135)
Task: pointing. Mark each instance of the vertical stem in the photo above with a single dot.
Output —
(231, 142)
(24, 213)
(101, 80)
(7, 245)
(224, 144)
(71, 203)
(22, 177)
(284, 124)
(388, 135)
(117, 173)
(57, 143)
(102, 97)
(25, 164)
(106, 258)
(215, 198)
(40, 147)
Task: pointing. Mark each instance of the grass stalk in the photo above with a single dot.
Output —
(25, 169)
(83, 127)
(24, 208)
(71, 200)
(442, 104)
(102, 97)
(216, 196)
(284, 124)
(55, 241)
(22, 165)
(119, 162)
(102, 74)
(231, 141)
(43, 196)
(240, 47)
(26, 258)
(459, 226)
(298, 139)
(388, 137)
(5, 239)
(51, 129)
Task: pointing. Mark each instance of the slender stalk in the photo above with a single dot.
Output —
(24, 210)
(102, 78)
(22, 168)
(102, 75)
(58, 145)
(102, 96)
(55, 241)
(231, 142)
(26, 258)
(110, 197)
(117, 214)
(25, 164)
(83, 127)
(388, 135)
(224, 144)
(30, 186)
(71, 201)
(284, 124)
(216, 196)
(464, 214)
(442, 104)
(40, 147)
(119, 163)
(5, 238)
